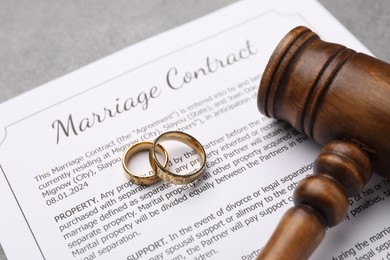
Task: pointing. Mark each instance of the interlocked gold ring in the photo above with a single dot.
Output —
(163, 171)
(144, 146)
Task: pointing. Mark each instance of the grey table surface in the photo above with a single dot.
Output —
(43, 39)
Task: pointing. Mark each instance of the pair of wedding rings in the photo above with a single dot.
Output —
(161, 170)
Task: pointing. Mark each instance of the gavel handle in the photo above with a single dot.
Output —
(321, 200)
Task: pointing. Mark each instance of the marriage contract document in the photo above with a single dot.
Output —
(64, 193)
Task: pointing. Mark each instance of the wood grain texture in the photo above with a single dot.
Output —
(341, 99)
(302, 229)
(329, 92)
(320, 201)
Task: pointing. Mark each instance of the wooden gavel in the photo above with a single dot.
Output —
(341, 99)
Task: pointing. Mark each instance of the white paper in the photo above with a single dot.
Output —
(66, 196)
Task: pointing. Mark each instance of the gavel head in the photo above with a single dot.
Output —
(329, 92)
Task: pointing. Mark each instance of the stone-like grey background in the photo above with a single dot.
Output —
(41, 40)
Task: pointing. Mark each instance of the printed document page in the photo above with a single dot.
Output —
(65, 195)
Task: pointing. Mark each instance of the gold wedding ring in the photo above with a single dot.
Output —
(163, 171)
(144, 146)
